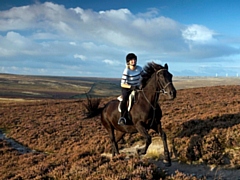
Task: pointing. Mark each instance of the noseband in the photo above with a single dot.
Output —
(160, 85)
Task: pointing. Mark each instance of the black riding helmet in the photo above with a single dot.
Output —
(130, 56)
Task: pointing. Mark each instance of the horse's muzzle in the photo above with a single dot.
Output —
(172, 94)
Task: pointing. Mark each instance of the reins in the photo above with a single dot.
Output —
(154, 108)
(156, 95)
(160, 91)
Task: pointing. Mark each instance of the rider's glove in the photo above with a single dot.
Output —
(134, 88)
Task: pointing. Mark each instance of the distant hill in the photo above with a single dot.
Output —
(60, 87)
(25, 86)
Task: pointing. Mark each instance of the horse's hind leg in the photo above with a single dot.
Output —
(114, 143)
(110, 130)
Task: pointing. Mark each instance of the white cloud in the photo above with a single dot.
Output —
(73, 43)
(14, 44)
(43, 36)
(121, 14)
(50, 33)
(79, 56)
(198, 33)
(152, 12)
(16, 39)
(112, 62)
(5, 52)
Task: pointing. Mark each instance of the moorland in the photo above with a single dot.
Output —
(46, 115)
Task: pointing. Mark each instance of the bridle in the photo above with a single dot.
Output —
(156, 93)
(160, 85)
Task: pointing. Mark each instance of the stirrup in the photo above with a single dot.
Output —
(122, 121)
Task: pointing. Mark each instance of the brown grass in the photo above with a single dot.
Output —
(202, 125)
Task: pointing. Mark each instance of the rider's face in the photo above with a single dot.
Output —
(133, 62)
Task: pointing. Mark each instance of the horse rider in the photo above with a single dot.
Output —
(131, 79)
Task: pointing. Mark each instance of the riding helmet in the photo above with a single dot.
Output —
(130, 56)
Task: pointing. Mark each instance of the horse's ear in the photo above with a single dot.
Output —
(166, 66)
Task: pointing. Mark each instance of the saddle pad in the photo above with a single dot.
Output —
(130, 101)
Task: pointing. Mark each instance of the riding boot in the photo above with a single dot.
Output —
(124, 115)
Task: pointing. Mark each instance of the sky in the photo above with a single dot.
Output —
(91, 38)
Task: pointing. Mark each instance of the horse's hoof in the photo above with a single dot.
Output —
(140, 152)
(167, 163)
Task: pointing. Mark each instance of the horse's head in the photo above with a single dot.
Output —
(164, 80)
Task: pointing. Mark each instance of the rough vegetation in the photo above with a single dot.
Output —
(202, 126)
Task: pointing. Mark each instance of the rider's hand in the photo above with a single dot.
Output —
(134, 88)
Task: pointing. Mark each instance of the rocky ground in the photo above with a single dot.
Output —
(202, 125)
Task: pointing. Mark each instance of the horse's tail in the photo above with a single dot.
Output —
(96, 112)
(92, 107)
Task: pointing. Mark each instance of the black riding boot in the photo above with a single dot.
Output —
(124, 115)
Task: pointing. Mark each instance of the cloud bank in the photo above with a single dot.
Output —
(51, 39)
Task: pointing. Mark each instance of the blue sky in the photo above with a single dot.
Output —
(92, 38)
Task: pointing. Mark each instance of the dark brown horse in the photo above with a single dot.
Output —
(145, 113)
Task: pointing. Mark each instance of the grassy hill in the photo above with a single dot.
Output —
(57, 87)
(19, 86)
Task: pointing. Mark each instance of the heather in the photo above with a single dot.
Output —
(202, 126)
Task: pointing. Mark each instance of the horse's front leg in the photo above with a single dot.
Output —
(167, 159)
(148, 140)
(113, 141)
(158, 128)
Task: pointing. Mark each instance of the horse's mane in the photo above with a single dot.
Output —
(148, 71)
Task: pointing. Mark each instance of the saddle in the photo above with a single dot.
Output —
(131, 100)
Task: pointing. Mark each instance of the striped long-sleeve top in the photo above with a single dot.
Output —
(132, 77)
